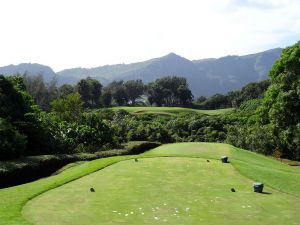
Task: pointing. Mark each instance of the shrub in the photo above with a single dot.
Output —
(33, 167)
(253, 137)
(12, 143)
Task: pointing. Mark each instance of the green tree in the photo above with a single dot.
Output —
(134, 89)
(281, 104)
(185, 95)
(106, 98)
(96, 90)
(12, 143)
(69, 108)
(169, 91)
(90, 91)
(84, 91)
(155, 93)
(14, 103)
(41, 92)
(200, 99)
(216, 101)
(250, 91)
(65, 90)
(117, 89)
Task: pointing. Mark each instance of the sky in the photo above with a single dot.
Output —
(88, 33)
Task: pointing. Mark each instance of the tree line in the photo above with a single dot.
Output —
(167, 91)
(233, 99)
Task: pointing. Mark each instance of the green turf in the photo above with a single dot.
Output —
(13, 199)
(164, 190)
(170, 110)
(192, 149)
(256, 167)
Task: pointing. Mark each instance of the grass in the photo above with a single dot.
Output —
(68, 166)
(154, 180)
(273, 173)
(192, 149)
(171, 190)
(254, 166)
(170, 110)
(13, 199)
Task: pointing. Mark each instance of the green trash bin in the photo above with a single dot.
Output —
(258, 187)
(224, 159)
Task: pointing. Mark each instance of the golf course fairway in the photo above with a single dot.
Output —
(185, 188)
(170, 110)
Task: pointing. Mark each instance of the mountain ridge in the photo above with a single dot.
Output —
(205, 76)
(30, 69)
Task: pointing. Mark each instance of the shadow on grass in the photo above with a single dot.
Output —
(266, 193)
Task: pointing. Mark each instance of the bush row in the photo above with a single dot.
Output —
(30, 168)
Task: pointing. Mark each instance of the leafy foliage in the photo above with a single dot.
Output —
(281, 105)
(134, 89)
(169, 91)
(90, 91)
(234, 98)
(69, 108)
(41, 92)
(12, 143)
(14, 103)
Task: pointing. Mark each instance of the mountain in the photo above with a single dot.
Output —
(233, 72)
(29, 69)
(205, 77)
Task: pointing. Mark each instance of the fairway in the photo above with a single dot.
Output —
(163, 190)
(170, 110)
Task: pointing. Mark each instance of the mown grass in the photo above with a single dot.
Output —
(163, 190)
(170, 110)
(256, 167)
(13, 199)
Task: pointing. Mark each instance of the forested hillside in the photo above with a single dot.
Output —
(205, 77)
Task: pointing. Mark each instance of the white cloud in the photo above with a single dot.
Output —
(66, 33)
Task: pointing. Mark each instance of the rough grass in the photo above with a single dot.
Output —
(170, 110)
(273, 173)
(278, 208)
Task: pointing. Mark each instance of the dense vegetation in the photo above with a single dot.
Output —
(30, 168)
(234, 98)
(71, 119)
(274, 122)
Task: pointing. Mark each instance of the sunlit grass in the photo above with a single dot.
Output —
(170, 110)
(124, 178)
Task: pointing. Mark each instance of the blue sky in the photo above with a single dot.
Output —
(88, 33)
